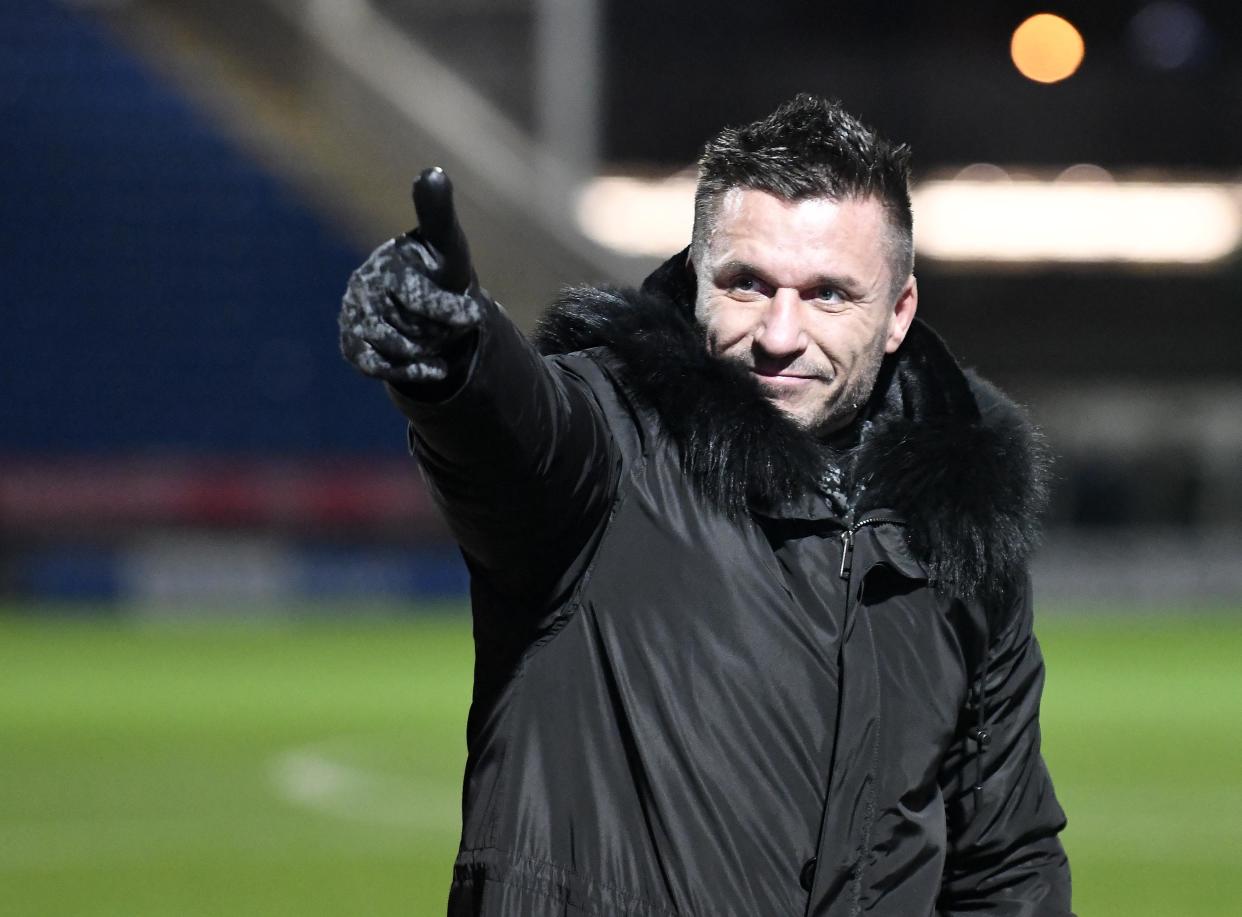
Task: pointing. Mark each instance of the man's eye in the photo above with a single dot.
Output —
(829, 294)
(746, 284)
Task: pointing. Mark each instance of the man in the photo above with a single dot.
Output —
(751, 614)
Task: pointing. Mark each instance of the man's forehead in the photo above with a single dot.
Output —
(815, 235)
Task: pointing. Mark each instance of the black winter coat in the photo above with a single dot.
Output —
(703, 687)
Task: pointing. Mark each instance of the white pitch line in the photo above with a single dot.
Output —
(314, 776)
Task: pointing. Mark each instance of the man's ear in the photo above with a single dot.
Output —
(902, 314)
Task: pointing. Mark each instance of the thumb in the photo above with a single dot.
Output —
(437, 224)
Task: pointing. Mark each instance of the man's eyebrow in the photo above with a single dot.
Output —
(735, 266)
(844, 282)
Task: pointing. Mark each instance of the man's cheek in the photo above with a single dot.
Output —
(729, 332)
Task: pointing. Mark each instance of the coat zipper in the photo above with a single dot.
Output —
(847, 566)
(847, 539)
(980, 733)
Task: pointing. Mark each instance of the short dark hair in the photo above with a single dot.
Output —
(809, 147)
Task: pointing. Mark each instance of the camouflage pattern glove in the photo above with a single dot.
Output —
(408, 309)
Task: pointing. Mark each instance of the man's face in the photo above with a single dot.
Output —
(801, 294)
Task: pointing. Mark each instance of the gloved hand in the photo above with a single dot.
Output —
(408, 311)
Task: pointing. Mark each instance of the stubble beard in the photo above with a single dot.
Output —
(842, 408)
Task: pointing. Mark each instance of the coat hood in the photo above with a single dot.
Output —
(938, 446)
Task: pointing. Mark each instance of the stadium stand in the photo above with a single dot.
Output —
(169, 364)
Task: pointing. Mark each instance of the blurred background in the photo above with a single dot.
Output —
(234, 648)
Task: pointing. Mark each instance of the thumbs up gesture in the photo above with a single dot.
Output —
(409, 307)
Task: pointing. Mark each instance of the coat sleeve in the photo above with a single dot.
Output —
(520, 461)
(1005, 858)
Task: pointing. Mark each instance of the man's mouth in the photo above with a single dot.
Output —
(781, 376)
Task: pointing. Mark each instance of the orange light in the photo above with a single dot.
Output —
(1046, 48)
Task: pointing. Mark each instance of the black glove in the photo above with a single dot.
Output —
(408, 312)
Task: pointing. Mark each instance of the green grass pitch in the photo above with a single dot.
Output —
(315, 768)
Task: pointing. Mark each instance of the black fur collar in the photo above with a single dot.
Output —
(943, 449)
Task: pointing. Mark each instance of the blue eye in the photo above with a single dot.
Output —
(749, 284)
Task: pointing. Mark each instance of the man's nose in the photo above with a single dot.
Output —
(780, 332)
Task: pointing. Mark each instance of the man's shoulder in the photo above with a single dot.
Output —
(633, 347)
(961, 461)
(997, 408)
(626, 320)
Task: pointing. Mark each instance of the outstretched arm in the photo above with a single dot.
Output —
(1005, 858)
(514, 448)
